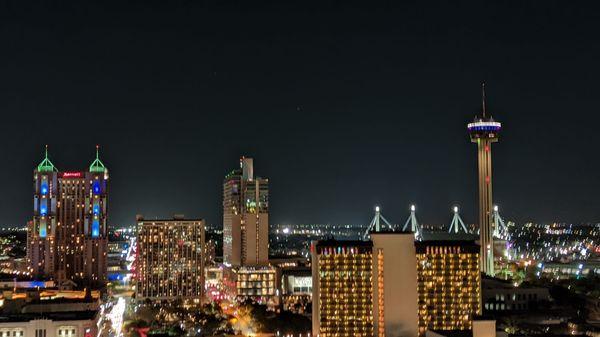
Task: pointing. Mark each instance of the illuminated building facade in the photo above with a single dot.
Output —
(342, 288)
(449, 284)
(67, 239)
(258, 283)
(170, 259)
(245, 217)
(484, 131)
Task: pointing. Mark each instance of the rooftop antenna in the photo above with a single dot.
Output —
(500, 228)
(457, 223)
(376, 224)
(414, 224)
(483, 98)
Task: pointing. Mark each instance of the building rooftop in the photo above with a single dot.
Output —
(392, 231)
(175, 218)
(97, 165)
(46, 165)
(466, 245)
(343, 243)
(445, 236)
(55, 316)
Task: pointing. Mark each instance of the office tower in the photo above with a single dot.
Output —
(449, 284)
(342, 274)
(394, 284)
(67, 239)
(170, 259)
(245, 217)
(484, 131)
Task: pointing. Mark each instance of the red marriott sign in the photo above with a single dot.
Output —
(70, 175)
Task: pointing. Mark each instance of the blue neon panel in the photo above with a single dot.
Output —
(44, 207)
(96, 208)
(44, 188)
(95, 228)
(96, 187)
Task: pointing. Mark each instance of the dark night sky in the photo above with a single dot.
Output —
(342, 105)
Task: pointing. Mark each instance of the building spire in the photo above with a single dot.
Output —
(46, 165)
(97, 165)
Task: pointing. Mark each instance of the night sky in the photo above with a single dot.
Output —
(343, 106)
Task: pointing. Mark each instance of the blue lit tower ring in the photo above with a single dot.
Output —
(484, 131)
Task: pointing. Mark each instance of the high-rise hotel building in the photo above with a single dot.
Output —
(170, 259)
(245, 217)
(393, 286)
(67, 239)
(342, 288)
(365, 288)
(449, 284)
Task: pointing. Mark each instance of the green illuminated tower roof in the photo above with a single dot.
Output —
(46, 165)
(97, 165)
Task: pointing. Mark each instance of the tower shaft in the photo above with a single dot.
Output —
(484, 161)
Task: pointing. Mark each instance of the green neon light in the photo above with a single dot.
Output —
(46, 165)
(97, 165)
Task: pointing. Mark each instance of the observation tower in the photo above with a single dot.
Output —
(484, 131)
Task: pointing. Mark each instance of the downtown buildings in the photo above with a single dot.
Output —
(67, 239)
(170, 259)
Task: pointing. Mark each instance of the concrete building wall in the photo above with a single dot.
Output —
(232, 236)
(257, 239)
(484, 328)
(395, 285)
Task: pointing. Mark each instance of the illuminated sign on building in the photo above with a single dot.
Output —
(70, 175)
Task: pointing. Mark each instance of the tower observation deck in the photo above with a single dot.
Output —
(484, 131)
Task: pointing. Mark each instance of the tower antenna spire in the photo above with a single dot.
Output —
(97, 151)
(483, 97)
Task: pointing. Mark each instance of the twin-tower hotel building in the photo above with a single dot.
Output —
(67, 237)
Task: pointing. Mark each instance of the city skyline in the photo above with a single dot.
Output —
(272, 168)
(340, 129)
